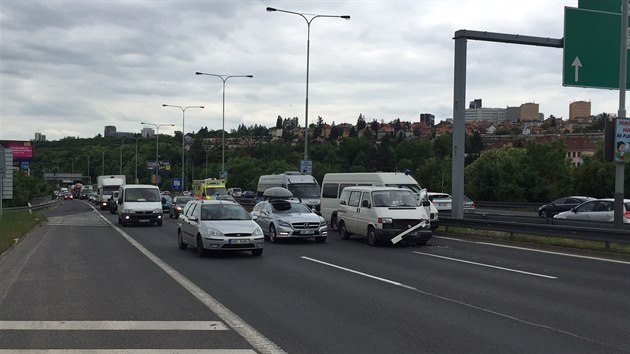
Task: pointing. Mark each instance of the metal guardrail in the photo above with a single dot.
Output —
(602, 233)
(42, 203)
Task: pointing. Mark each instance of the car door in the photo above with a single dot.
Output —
(189, 227)
(352, 211)
(365, 214)
(264, 216)
(604, 211)
(584, 211)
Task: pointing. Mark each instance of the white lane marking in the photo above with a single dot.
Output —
(471, 306)
(359, 273)
(114, 325)
(127, 351)
(535, 250)
(261, 343)
(487, 265)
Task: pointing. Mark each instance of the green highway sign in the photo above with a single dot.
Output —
(591, 49)
(601, 5)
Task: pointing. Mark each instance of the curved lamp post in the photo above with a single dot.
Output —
(308, 20)
(223, 78)
(157, 146)
(183, 134)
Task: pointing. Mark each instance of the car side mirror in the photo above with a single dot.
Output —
(192, 218)
(426, 203)
(365, 204)
(120, 201)
(574, 209)
(342, 202)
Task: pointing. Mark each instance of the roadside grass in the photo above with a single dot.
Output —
(15, 225)
(619, 248)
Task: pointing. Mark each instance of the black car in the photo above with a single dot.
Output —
(177, 205)
(560, 205)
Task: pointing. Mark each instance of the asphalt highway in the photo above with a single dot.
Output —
(83, 282)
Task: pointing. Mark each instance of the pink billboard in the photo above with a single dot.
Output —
(21, 149)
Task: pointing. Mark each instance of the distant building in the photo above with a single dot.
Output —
(39, 137)
(579, 109)
(427, 118)
(487, 114)
(474, 104)
(147, 132)
(110, 131)
(529, 112)
(513, 113)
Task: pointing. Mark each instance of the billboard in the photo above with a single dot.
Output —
(22, 150)
(622, 140)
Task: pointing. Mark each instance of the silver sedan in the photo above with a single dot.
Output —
(289, 219)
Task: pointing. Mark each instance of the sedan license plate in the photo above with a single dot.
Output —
(238, 241)
(144, 220)
(307, 232)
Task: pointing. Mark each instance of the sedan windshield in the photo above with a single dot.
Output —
(287, 207)
(224, 212)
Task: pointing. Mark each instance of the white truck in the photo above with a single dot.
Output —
(106, 185)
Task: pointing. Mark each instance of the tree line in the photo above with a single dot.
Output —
(533, 172)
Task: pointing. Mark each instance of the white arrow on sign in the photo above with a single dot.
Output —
(577, 65)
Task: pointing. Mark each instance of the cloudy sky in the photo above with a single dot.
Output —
(69, 68)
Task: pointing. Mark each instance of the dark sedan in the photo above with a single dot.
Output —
(560, 205)
(177, 205)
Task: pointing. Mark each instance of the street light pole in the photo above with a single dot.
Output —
(136, 181)
(183, 134)
(157, 146)
(223, 78)
(308, 49)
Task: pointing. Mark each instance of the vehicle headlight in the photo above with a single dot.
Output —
(322, 222)
(129, 211)
(385, 220)
(257, 232)
(157, 211)
(178, 208)
(213, 232)
(283, 223)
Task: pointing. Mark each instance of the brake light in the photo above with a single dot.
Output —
(627, 214)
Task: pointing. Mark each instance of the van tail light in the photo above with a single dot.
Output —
(627, 214)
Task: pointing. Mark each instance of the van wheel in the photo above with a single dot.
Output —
(180, 241)
(371, 236)
(272, 234)
(201, 252)
(345, 235)
(333, 222)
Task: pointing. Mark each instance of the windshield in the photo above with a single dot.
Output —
(224, 212)
(142, 195)
(215, 191)
(393, 199)
(304, 190)
(286, 208)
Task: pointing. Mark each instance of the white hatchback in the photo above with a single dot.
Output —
(602, 210)
(218, 225)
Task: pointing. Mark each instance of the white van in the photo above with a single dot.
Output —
(334, 183)
(304, 187)
(235, 192)
(382, 213)
(139, 203)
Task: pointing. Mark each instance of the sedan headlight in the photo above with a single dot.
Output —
(322, 222)
(283, 223)
(257, 232)
(213, 232)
